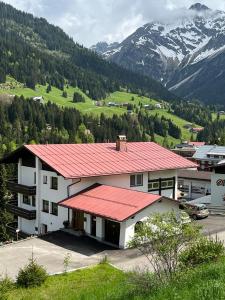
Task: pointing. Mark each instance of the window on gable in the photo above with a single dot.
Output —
(45, 179)
(54, 183)
(136, 180)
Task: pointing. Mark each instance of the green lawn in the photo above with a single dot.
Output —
(89, 284)
(205, 282)
(214, 116)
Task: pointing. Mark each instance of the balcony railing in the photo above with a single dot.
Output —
(15, 187)
(11, 229)
(13, 208)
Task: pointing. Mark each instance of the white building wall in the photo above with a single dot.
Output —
(127, 227)
(44, 192)
(217, 191)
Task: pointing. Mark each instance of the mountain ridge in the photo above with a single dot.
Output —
(179, 53)
(34, 51)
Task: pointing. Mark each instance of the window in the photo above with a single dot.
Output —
(45, 179)
(34, 177)
(54, 209)
(45, 206)
(54, 183)
(153, 185)
(167, 184)
(136, 180)
(26, 200)
(33, 201)
(162, 184)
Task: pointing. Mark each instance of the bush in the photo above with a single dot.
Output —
(203, 251)
(6, 285)
(142, 282)
(31, 275)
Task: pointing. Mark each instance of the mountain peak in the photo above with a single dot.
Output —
(199, 7)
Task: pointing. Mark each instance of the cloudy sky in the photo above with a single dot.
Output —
(90, 21)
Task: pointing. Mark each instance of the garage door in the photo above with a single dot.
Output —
(112, 232)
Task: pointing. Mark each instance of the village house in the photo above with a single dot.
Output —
(209, 156)
(187, 149)
(194, 184)
(100, 190)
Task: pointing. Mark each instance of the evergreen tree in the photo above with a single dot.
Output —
(4, 216)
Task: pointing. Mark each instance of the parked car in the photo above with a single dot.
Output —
(195, 211)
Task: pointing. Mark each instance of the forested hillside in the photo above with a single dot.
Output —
(25, 121)
(33, 51)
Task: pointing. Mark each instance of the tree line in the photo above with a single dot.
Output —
(26, 121)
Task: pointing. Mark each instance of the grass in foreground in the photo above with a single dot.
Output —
(95, 283)
(105, 282)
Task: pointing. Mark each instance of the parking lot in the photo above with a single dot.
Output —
(51, 250)
(213, 224)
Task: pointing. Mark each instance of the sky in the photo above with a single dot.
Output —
(92, 21)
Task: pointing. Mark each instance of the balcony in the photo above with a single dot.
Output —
(15, 187)
(14, 209)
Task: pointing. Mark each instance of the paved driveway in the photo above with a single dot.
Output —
(51, 250)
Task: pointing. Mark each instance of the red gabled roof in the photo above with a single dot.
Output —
(113, 203)
(89, 160)
(197, 144)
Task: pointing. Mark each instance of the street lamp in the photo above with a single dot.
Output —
(17, 234)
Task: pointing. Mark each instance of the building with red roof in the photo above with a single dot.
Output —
(101, 190)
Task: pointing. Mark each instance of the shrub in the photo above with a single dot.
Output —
(6, 285)
(142, 282)
(31, 275)
(203, 251)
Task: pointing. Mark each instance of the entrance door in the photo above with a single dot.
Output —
(112, 232)
(78, 220)
(44, 229)
(93, 225)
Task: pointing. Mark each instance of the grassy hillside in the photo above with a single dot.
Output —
(13, 87)
(104, 282)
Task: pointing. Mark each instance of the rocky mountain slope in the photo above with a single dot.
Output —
(186, 54)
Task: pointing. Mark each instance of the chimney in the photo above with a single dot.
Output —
(121, 143)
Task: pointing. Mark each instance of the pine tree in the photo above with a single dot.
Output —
(4, 217)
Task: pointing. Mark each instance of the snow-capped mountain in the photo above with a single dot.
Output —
(187, 54)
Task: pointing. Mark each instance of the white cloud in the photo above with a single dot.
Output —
(90, 21)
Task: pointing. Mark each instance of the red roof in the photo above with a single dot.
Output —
(113, 203)
(197, 144)
(89, 160)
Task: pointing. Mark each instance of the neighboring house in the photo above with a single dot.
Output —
(158, 105)
(209, 156)
(101, 190)
(196, 129)
(216, 200)
(187, 149)
(38, 99)
(194, 184)
(218, 185)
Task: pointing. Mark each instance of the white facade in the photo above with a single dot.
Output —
(218, 189)
(47, 221)
(194, 188)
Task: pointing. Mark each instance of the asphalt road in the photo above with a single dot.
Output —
(51, 250)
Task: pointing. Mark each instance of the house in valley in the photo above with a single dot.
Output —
(100, 190)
